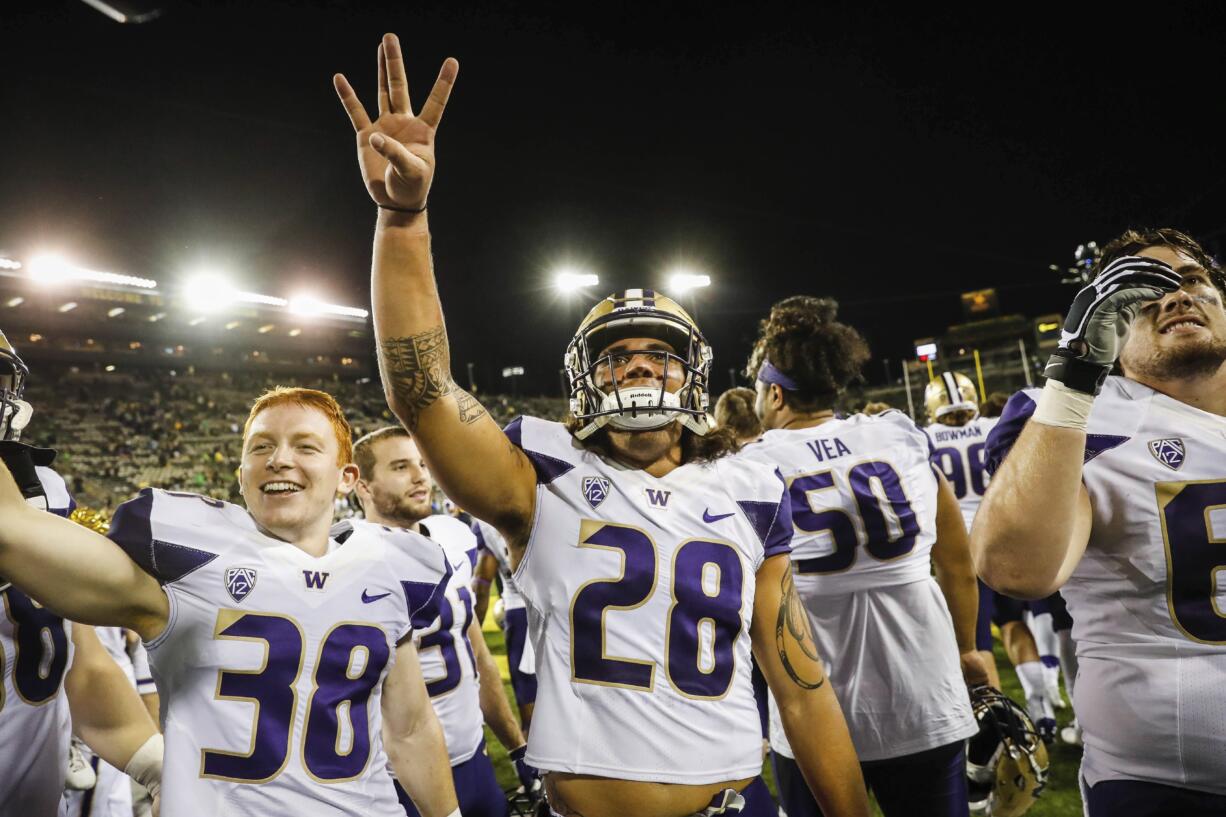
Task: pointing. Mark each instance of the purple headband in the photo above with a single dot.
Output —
(767, 373)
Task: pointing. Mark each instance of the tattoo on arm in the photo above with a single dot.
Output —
(470, 407)
(415, 369)
(794, 639)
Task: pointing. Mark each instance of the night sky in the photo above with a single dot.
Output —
(889, 161)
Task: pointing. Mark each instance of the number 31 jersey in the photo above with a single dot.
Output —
(640, 594)
(272, 662)
(1148, 598)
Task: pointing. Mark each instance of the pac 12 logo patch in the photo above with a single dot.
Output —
(595, 489)
(1169, 451)
(240, 581)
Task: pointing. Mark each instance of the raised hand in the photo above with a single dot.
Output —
(396, 150)
(1099, 317)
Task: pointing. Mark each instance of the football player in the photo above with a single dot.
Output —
(462, 679)
(873, 519)
(51, 668)
(959, 438)
(649, 561)
(494, 559)
(281, 646)
(734, 411)
(1112, 488)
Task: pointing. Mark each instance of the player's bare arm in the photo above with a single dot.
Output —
(494, 704)
(467, 453)
(955, 573)
(812, 718)
(78, 573)
(1034, 523)
(106, 711)
(483, 577)
(413, 737)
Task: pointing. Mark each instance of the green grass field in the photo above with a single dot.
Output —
(1061, 799)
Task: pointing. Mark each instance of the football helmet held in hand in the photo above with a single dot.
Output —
(14, 412)
(1006, 763)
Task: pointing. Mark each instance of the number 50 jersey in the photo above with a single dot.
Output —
(640, 594)
(272, 662)
(1148, 598)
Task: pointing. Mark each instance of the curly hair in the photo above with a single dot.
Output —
(1133, 240)
(802, 339)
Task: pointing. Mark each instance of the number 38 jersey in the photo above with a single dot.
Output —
(35, 654)
(272, 661)
(864, 499)
(640, 594)
(1148, 598)
(960, 453)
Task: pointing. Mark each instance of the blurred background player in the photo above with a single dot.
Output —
(54, 672)
(872, 521)
(636, 711)
(734, 411)
(461, 677)
(494, 560)
(959, 438)
(267, 603)
(1111, 488)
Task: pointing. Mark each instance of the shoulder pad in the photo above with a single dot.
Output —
(551, 449)
(132, 528)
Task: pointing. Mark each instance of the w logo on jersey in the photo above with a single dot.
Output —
(657, 498)
(595, 489)
(315, 579)
(1169, 451)
(240, 581)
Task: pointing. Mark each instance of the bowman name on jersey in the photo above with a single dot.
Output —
(1146, 599)
(35, 653)
(640, 594)
(272, 661)
(863, 500)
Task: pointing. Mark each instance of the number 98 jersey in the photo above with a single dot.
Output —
(960, 453)
(1148, 598)
(640, 594)
(272, 662)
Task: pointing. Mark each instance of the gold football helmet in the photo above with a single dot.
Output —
(1006, 763)
(949, 393)
(637, 313)
(14, 412)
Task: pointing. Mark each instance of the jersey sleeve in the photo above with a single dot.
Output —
(423, 575)
(550, 447)
(1013, 419)
(132, 528)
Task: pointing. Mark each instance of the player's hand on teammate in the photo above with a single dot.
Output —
(1098, 320)
(974, 669)
(396, 150)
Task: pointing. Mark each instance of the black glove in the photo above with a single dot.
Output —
(1099, 318)
(528, 776)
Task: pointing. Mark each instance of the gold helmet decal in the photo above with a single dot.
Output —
(949, 393)
(600, 401)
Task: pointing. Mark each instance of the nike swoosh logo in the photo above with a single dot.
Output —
(367, 598)
(708, 517)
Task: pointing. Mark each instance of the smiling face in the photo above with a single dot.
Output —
(291, 470)
(396, 491)
(1183, 334)
(638, 362)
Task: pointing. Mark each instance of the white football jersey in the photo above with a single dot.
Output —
(447, 662)
(1147, 598)
(864, 499)
(960, 453)
(493, 543)
(35, 654)
(272, 663)
(640, 594)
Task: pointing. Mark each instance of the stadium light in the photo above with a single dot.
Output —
(684, 280)
(16, 300)
(9, 263)
(572, 280)
(208, 291)
(115, 312)
(309, 306)
(67, 307)
(55, 269)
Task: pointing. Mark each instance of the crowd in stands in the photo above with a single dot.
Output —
(118, 432)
